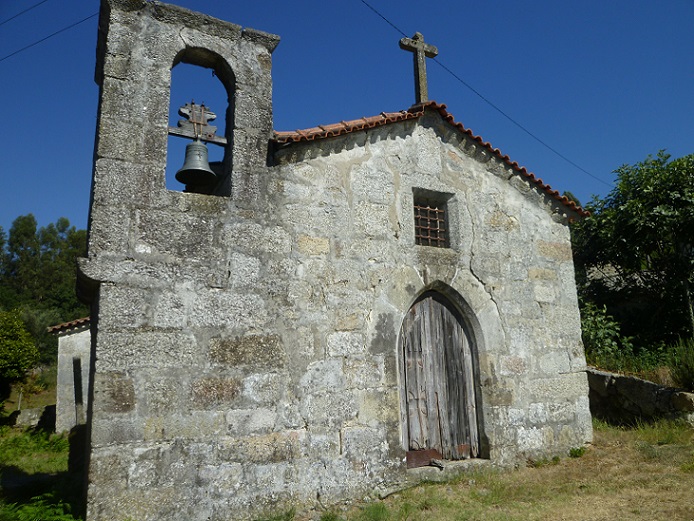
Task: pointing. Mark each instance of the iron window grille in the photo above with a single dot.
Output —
(430, 223)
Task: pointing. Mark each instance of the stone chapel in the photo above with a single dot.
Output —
(336, 312)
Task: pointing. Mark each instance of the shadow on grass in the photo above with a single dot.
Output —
(58, 496)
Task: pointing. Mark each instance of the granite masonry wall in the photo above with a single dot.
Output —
(246, 343)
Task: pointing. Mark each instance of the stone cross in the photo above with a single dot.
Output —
(421, 51)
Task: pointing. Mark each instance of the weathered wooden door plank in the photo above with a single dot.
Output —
(438, 378)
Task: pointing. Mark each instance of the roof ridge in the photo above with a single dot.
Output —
(414, 112)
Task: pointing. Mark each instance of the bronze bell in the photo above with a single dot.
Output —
(196, 170)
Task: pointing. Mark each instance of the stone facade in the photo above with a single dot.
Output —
(247, 342)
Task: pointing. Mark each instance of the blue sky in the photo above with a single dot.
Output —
(604, 83)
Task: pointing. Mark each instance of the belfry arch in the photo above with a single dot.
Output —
(439, 381)
(201, 80)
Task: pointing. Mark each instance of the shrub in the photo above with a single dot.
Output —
(681, 362)
(605, 346)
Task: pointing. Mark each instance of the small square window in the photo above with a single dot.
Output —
(430, 223)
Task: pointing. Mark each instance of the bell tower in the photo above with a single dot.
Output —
(139, 43)
(160, 264)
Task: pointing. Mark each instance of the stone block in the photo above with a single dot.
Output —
(378, 407)
(346, 343)
(365, 446)
(324, 446)
(538, 413)
(123, 306)
(682, 401)
(327, 409)
(541, 274)
(188, 425)
(557, 389)
(531, 439)
(250, 421)
(108, 468)
(162, 395)
(254, 351)
(308, 245)
(169, 309)
(554, 362)
(214, 391)
(373, 220)
(109, 234)
(559, 251)
(498, 395)
(117, 351)
(119, 183)
(177, 234)
(214, 308)
(107, 430)
(513, 365)
(221, 478)
(364, 373)
(545, 292)
(263, 449)
(114, 392)
(262, 389)
(372, 185)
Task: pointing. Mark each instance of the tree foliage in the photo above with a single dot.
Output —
(634, 255)
(38, 274)
(18, 351)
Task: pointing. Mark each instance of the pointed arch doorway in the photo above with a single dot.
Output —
(438, 394)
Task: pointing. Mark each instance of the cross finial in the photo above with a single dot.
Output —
(197, 117)
(421, 51)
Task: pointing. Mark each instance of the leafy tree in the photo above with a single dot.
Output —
(38, 274)
(18, 352)
(24, 257)
(6, 294)
(635, 254)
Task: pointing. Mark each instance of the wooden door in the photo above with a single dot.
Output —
(439, 406)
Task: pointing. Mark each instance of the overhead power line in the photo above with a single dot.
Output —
(20, 14)
(491, 104)
(47, 37)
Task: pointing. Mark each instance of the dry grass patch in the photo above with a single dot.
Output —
(644, 473)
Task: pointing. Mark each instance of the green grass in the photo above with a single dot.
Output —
(649, 467)
(35, 478)
(682, 363)
(33, 451)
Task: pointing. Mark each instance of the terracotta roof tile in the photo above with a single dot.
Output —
(343, 127)
(66, 327)
(385, 118)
